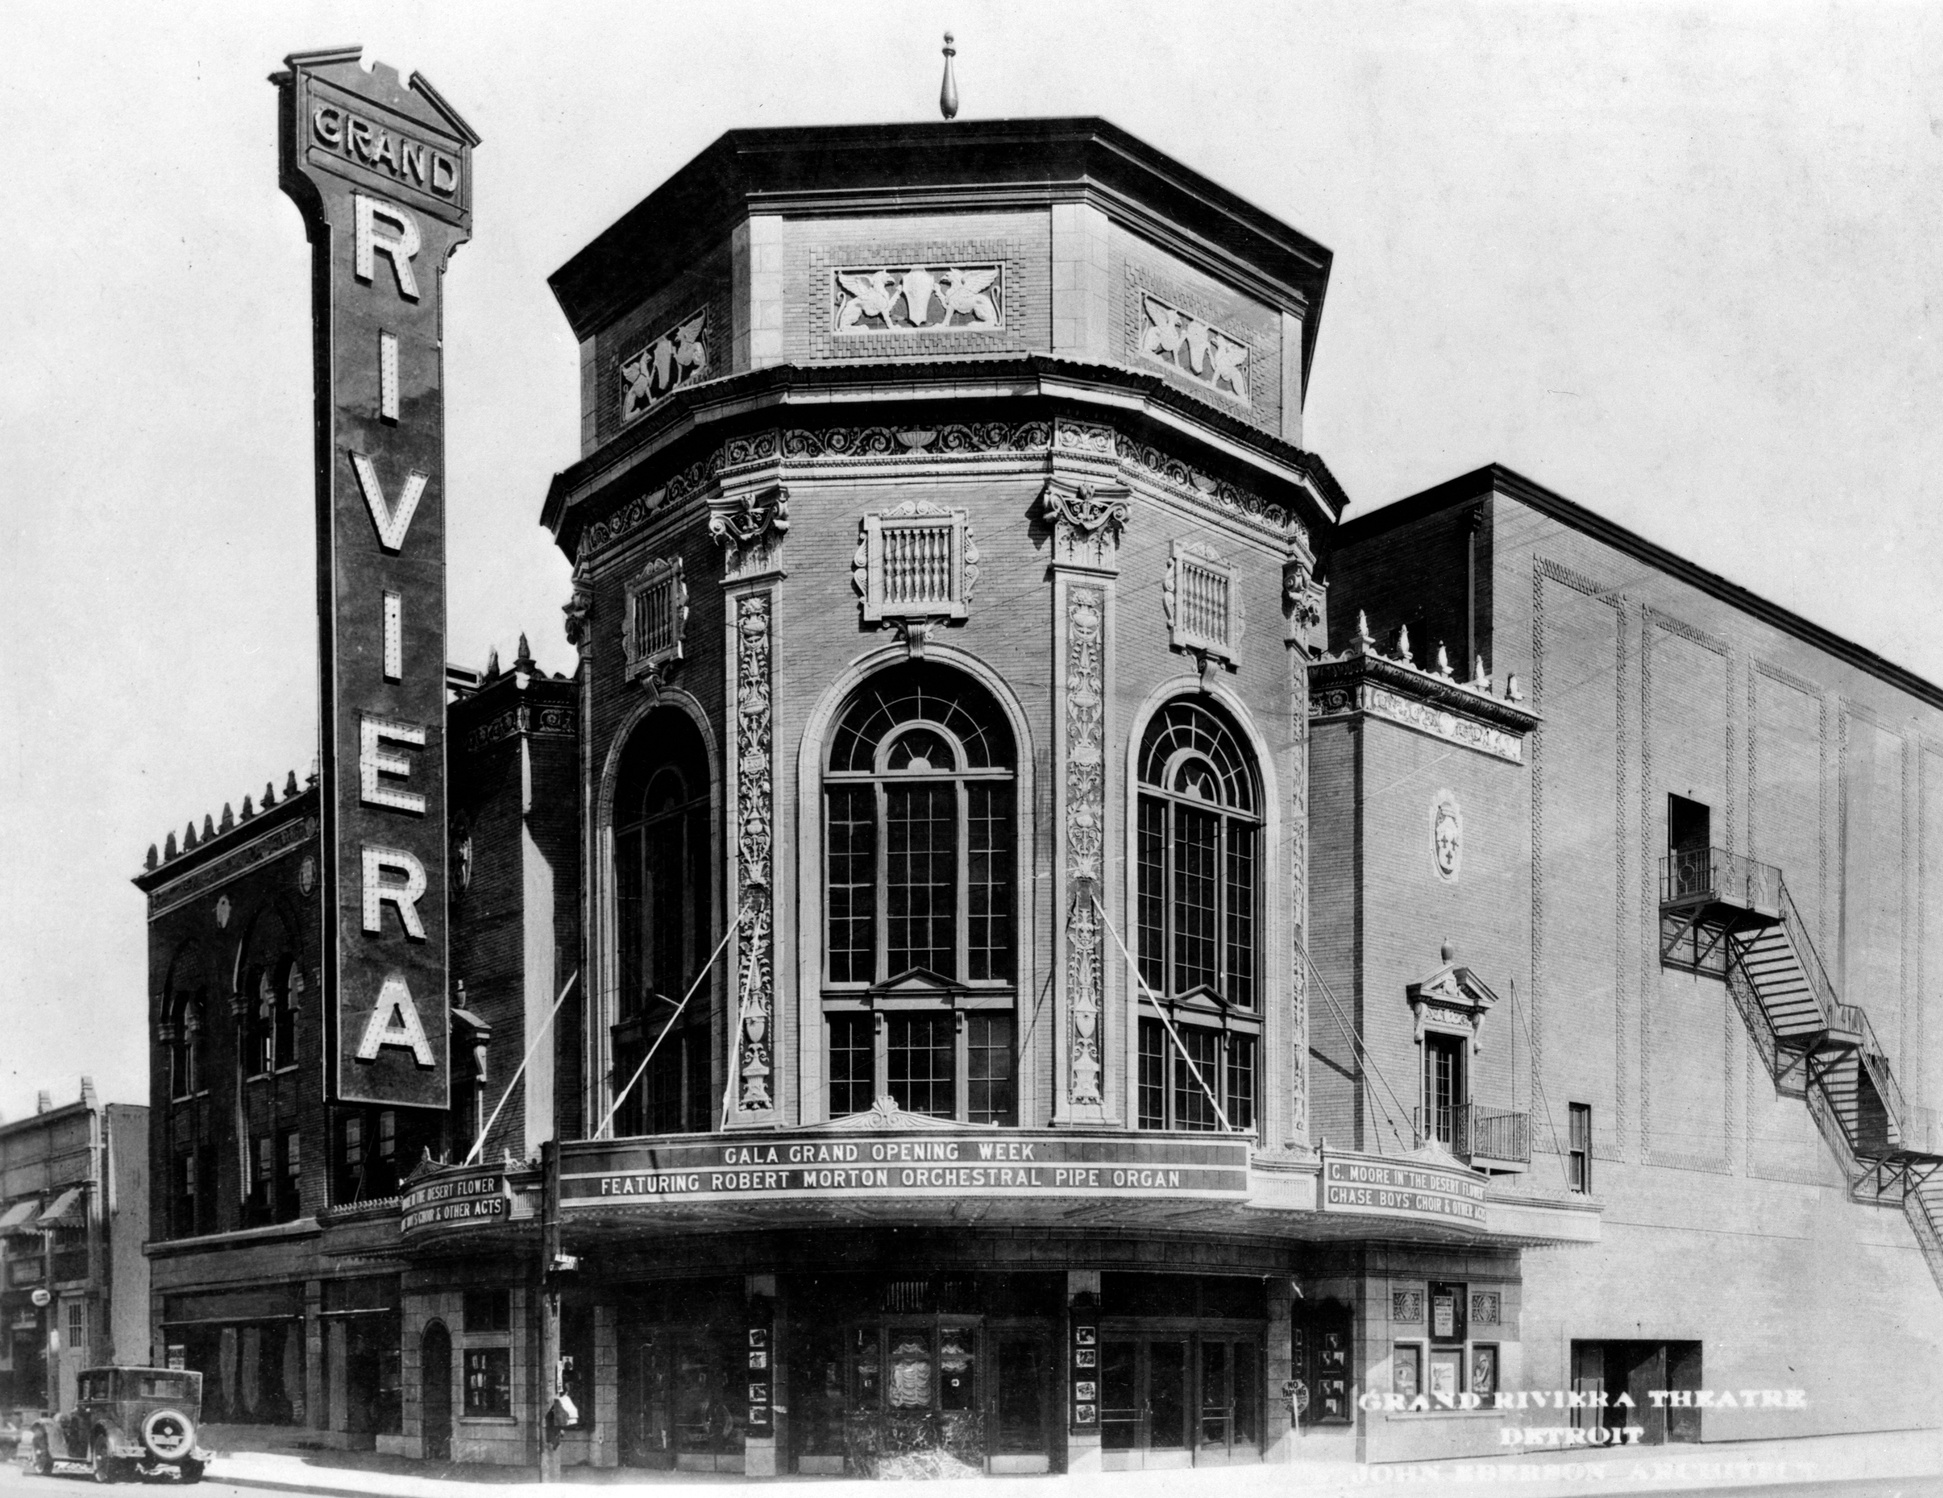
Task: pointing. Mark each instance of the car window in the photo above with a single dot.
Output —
(160, 1386)
(94, 1386)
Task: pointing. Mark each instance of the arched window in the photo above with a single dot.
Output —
(662, 883)
(920, 875)
(290, 1000)
(185, 1046)
(1199, 858)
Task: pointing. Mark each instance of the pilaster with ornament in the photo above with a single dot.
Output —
(1302, 599)
(1086, 521)
(750, 527)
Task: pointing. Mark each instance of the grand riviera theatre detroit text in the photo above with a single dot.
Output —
(1026, 942)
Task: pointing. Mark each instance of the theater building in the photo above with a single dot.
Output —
(1031, 944)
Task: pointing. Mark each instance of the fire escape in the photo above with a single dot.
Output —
(1731, 917)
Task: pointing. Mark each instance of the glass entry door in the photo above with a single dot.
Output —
(1176, 1399)
(1021, 1393)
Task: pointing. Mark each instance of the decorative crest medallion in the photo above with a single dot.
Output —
(749, 527)
(1086, 520)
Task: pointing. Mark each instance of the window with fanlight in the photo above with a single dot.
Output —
(920, 847)
(1198, 856)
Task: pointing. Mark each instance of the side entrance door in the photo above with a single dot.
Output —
(435, 1364)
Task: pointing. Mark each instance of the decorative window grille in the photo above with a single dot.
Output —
(917, 561)
(1485, 1306)
(1203, 602)
(657, 619)
(1407, 1306)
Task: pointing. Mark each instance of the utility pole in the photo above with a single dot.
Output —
(547, 1385)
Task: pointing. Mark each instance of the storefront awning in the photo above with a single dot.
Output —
(66, 1211)
(17, 1217)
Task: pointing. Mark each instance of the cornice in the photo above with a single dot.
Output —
(243, 837)
(1360, 682)
(791, 393)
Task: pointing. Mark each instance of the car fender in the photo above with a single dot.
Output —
(119, 1443)
(49, 1430)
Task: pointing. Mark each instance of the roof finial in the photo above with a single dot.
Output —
(948, 94)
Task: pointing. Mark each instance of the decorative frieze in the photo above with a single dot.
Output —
(656, 622)
(555, 721)
(1298, 1126)
(749, 527)
(1085, 691)
(754, 1060)
(679, 356)
(917, 299)
(274, 844)
(996, 442)
(1468, 714)
(1194, 347)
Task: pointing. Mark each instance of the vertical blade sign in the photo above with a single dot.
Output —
(382, 171)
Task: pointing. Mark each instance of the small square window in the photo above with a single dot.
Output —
(489, 1381)
(488, 1310)
(915, 561)
(1203, 602)
(656, 622)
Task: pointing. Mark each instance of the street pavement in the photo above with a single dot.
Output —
(1907, 1465)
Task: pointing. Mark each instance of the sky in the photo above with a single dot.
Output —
(1679, 263)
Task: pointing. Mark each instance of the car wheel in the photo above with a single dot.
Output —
(42, 1459)
(191, 1471)
(104, 1466)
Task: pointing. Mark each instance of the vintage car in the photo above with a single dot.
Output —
(126, 1423)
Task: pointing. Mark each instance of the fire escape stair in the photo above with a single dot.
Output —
(1731, 917)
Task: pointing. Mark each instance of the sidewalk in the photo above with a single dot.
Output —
(1656, 1469)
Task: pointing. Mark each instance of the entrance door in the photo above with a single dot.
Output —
(435, 1388)
(647, 1426)
(1167, 1405)
(1145, 1403)
(1230, 1395)
(1022, 1369)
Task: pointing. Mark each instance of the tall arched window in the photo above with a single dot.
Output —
(185, 1046)
(1199, 872)
(920, 874)
(662, 883)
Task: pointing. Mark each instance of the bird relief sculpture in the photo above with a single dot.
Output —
(678, 357)
(1193, 346)
(919, 298)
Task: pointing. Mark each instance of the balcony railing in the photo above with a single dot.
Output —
(1702, 876)
(1693, 876)
(1474, 1133)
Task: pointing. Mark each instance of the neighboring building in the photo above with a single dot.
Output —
(73, 1283)
(1028, 944)
(274, 1248)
